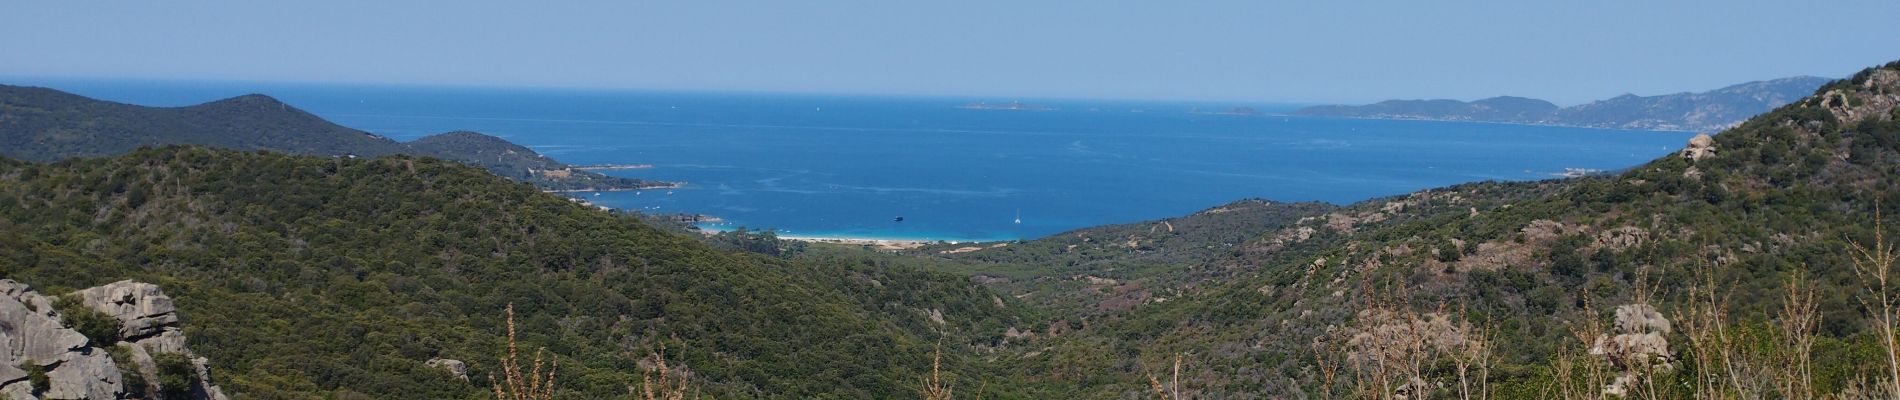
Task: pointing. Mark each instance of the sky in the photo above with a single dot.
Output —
(1268, 51)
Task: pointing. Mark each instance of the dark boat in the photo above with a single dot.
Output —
(898, 219)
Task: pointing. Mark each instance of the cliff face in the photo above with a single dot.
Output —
(45, 358)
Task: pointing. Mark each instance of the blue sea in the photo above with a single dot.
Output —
(846, 166)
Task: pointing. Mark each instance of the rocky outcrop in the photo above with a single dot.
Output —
(142, 309)
(77, 367)
(1621, 238)
(1700, 147)
(33, 333)
(84, 374)
(454, 367)
(1637, 344)
(149, 327)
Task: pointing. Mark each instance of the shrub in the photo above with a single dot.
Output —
(36, 374)
(102, 329)
(134, 383)
(175, 375)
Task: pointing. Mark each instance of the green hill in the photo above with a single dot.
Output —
(40, 124)
(310, 277)
(1786, 191)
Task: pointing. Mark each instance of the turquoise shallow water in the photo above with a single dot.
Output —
(845, 165)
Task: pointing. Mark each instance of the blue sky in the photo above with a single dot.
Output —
(1307, 51)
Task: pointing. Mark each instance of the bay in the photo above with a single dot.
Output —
(847, 166)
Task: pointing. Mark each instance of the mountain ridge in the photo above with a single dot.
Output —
(1685, 111)
(44, 124)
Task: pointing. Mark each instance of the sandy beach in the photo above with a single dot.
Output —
(881, 244)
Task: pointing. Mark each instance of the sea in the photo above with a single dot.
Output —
(851, 166)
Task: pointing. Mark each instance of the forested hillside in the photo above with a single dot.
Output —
(41, 124)
(308, 277)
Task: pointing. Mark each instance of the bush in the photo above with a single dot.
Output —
(176, 375)
(36, 374)
(101, 329)
(1448, 252)
(134, 383)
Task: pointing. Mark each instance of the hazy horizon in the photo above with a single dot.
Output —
(1567, 53)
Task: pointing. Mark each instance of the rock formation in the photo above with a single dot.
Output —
(1637, 344)
(454, 367)
(77, 367)
(149, 327)
(33, 334)
(1701, 146)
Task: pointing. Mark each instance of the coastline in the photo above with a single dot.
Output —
(664, 185)
(1520, 123)
(881, 244)
(609, 167)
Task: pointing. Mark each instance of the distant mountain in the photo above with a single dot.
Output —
(1706, 111)
(1502, 108)
(44, 125)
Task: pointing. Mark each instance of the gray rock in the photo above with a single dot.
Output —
(142, 364)
(149, 323)
(142, 309)
(206, 389)
(1701, 146)
(17, 391)
(30, 329)
(11, 373)
(171, 340)
(455, 367)
(87, 374)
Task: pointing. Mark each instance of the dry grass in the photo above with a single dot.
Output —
(1474, 356)
(935, 388)
(1715, 347)
(1875, 266)
(513, 385)
(664, 382)
(1329, 357)
(1173, 389)
(1580, 375)
(1390, 350)
(1800, 316)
